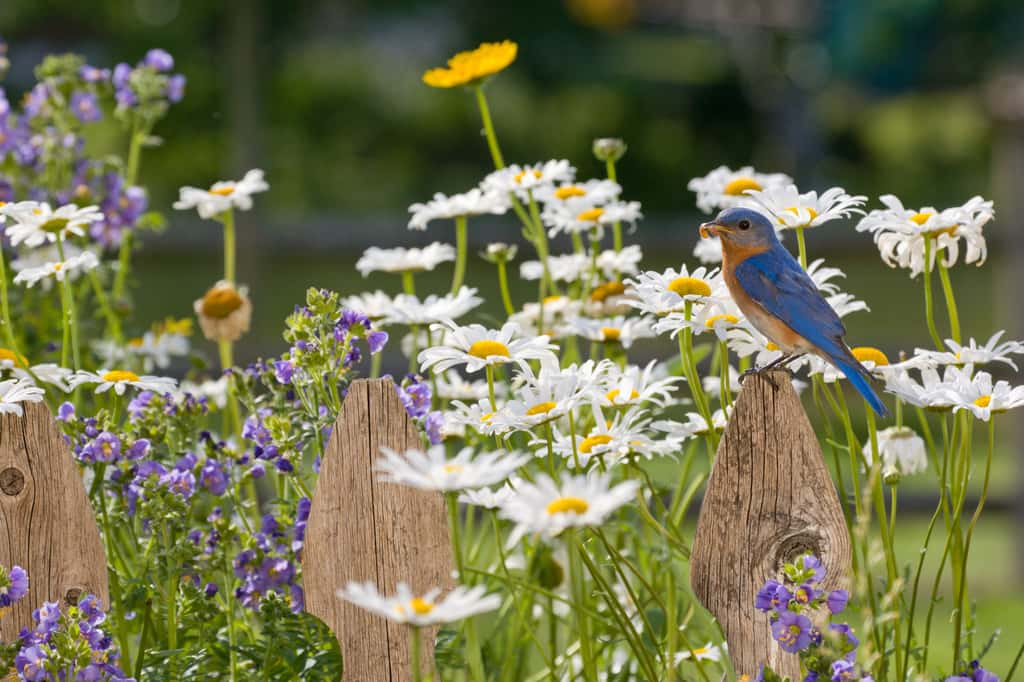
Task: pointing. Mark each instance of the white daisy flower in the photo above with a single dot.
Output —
(547, 508)
(433, 470)
(407, 608)
(523, 179)
(719, 315)
(478, 416)
(158, 349)
(708, 652)
(612, 440)
(376, 305)
(401, 259)
(119, 380)
(474, 202)
(843, 303)
(708, 251)
(410, 310)
(567, 268)
(13, 392)
(633, 385)
(793, 209)
(595, 192)
(60, 270)
(902, 451)
(34, 223)
(661, 293)
(618, 329)
(214, 390)
(477, 347)
(223, 195)
(974, 354)
(576, 218)
(558, 310)
(47, 373)
(723, 187)
(452, 386)
(933, 392)
(43, 255)
(544, 397)
(613, 263)
(489, 498)
(900, 233)
(983, 397)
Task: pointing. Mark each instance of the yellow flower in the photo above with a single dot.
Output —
(472, 66)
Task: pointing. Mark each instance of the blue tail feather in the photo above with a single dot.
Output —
(856, 373)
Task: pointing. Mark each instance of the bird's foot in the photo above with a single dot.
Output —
(764, 373)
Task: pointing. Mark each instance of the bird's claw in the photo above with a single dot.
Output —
(759, 371)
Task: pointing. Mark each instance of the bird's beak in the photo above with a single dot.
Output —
(712, 230)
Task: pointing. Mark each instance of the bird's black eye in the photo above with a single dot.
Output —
(744, 225)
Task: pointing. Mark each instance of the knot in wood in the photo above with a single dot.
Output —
(72, 596)
(12, 481)
(794, 545)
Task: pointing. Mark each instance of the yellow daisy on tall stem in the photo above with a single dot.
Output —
(472, 68)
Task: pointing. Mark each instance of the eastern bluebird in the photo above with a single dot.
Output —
(780, 299)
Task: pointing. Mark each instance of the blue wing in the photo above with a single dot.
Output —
(775, 280)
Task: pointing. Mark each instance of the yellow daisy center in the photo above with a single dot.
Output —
(921, 218)
(983, 401)
(487, 417)
(568, 191)
(541, 408)
(737, 186)
(420, 606)
(611, 333)
(866, 353)
(590, 215)
(568, 505)
(714, 319)
(606, 290)
(116, 375)
(452, 468)
(220, 302)
(522, 174)
(135, 343)
(591, 442)
(689, 286)
(488, 348)
(8, 355)
(549, 300)
(472, 65)
(54, 225)
(796, 211)
(771, 345)
(613, 394)
(225, 191)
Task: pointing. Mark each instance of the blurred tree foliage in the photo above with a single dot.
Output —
(880, 95)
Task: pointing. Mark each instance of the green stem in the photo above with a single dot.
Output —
(476, 666)
(617, 225)
(492, 139)
(68, 316)
(947, 290)
(113, 323)
(415, 654)
(5, 312)
(461, 246)
(125, 251)
(802, 247)
(490, 386)
(228, 218)
(962, 607)
(928, 306)
(506, 298)
(579, 591)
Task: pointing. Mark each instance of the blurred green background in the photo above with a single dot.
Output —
(920, 98)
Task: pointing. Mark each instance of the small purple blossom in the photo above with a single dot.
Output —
(283, 371)
(792, 631)
(30, 663)
(837, 600)
(434, 425)
(86, 107)
(159, 60)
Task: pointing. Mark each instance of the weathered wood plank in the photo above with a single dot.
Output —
(46, 523)
(770, 498)
(361, 529)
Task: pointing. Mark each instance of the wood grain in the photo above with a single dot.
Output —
(46, 523)
(361, 529)
(769, 499)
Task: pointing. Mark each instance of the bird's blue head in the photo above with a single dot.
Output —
(742, 227)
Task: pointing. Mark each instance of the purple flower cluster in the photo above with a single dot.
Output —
(264, 449)
(131, 86)
(93, 182)
(271, 566)
(975, 673)
(13, 586)
(72, 642)
(416, 395)
(830, 655)
(91, 445)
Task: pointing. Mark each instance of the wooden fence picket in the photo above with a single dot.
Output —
(770, 498)
(364, 530)
(46, 523)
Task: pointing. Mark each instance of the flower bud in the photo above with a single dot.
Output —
(499, 252)
(224, 312)
(609, 149)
